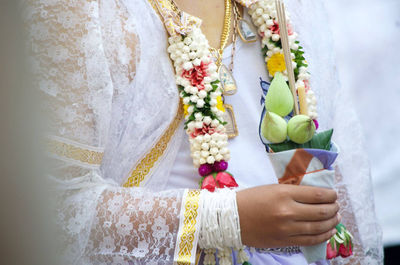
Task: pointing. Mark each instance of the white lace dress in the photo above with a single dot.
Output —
(112, 102)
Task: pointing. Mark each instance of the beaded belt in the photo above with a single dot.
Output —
(285, 250)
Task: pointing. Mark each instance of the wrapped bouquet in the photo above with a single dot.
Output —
(288, 126)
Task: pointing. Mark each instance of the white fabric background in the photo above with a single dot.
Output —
(366, 35)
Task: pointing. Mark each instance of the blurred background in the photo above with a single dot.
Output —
(367, 38)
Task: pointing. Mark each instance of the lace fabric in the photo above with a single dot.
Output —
(88, 55)
(85, 57)
(353, 179)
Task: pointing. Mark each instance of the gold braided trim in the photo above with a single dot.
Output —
(146, 164)
(185, 254)
(74, 152)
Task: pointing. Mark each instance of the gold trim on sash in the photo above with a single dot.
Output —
(74, 151)
(146, 164)
(185, 251)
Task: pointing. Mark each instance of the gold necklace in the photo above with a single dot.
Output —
(226, 31)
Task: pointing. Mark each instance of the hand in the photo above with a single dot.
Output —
(283, 215)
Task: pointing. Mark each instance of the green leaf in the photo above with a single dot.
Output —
(320, 140)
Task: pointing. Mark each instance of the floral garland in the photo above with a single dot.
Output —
(263, 14)
(201, 93)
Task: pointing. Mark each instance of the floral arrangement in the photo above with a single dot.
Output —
(340, 244)
(263, 14)
(297, 153)
(201, 94)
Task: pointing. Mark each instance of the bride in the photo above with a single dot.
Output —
(129, 192)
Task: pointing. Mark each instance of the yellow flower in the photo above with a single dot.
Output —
(220, 104)
(185, 109)
(276, 64)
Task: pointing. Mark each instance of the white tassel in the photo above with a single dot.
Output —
(225, 257)
(209, 257)
(242, 256)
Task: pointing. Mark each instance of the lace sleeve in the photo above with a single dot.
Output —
(100, 221)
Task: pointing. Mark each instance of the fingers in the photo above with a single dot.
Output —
(315, 195)
(309, 240)
(315, 212)
(314, 228)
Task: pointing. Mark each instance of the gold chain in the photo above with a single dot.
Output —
(236, 18)
(226, 30)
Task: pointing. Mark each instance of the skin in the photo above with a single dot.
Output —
(273, 215)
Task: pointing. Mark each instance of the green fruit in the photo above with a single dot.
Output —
(274, 128)
(279, 99)
(301, 129)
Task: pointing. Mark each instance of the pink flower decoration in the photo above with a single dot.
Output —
(331, 252)
(209, 183)
(345, 251)
(275, 28)
(224, 179)
(207, 129)
(196, 75)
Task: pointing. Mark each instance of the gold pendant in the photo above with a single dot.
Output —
(246, 31)
(228, 83)
(230, 126)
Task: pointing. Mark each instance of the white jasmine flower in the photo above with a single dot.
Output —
(213, 151)
(194, 90)
(202, 94)
(196, 62)
(194, 98)
(210, 160)
(180, 45)
(214, 124)
(205, 146)
(187, 41)
(207, 79)
(185, 58)
(223, 151)
(205, 153)
(207, 120)
(207, 137)
(198, 116)
(187, 66)
(212, 67)
(191, 126)
(213, 102)
(219, 157)
(214, 76)
(275, 37)
(199, 124)
(200, 103)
